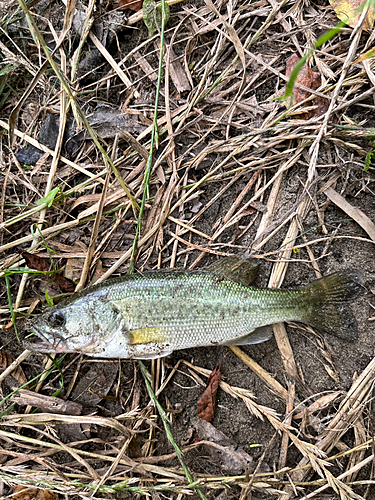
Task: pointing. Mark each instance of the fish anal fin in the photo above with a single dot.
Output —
(240, 269)
(148, 335)
(257, 336)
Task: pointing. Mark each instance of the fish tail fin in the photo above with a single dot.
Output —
(327, 307)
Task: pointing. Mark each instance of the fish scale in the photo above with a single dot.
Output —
(222, 308)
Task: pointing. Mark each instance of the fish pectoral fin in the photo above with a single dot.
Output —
(147, 335)
(236, 268)
(161, 354)
(257, 336)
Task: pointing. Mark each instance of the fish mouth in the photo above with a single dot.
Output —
(44, 343)
(41, 343)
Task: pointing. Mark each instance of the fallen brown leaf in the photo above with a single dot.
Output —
(310, 79)
(35, 262)
(64, 283)
(73, 268)
(26, 493)
(5, 361)
(130, 4)
(224, 450)
(206, 403)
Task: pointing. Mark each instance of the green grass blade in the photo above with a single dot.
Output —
(154, 140)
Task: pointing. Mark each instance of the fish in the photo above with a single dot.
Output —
(150, 315)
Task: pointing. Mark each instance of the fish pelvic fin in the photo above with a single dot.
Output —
(240, 269)
(326, 303)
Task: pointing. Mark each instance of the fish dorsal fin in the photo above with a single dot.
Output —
(257, 336)
(236, 268)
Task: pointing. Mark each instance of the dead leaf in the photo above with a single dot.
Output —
(206, 403)
(35, 262)
(26, 493)
(310, 79)
(224, 450)
(95, 384)
(65, 284)
(350, 11)
(73, 268)
(88, 198)
(99, 271)
(5, 361)
(130, 4)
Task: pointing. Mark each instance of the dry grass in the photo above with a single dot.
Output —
(219, 134)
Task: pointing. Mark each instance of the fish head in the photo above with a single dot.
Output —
(80, 326)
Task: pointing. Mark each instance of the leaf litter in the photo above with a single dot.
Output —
(25, 493)
(233, 172)
(36, 262)
(206, 403)
(5, 361)
(310, 79)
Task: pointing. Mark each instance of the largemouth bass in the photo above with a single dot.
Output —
(150, 315)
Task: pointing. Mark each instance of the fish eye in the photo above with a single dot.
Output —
(56, 319)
